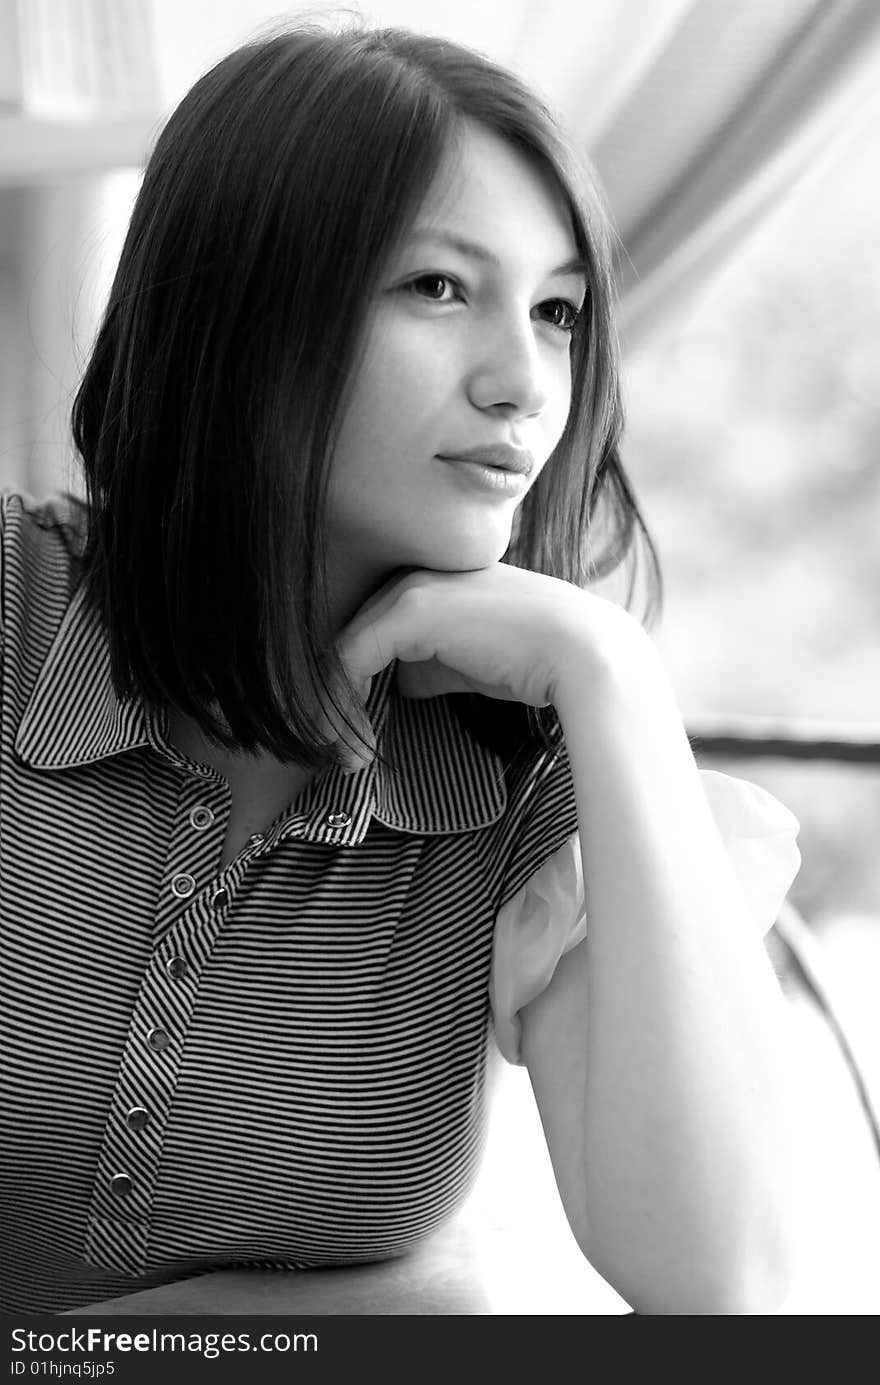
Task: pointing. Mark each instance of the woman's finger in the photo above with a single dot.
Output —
(346, 723)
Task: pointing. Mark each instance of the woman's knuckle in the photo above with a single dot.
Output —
(415, 601)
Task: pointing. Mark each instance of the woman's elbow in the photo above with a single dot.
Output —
(763, 1283)
(754, 1282)
(753, 1289)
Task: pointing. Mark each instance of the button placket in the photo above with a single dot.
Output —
(159, 1040)
(191, 849)
(119, 1221)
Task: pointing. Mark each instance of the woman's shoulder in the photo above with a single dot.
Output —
(41, 547)
(60, 517)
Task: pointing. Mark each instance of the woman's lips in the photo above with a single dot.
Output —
(498, 456)
(492, 480)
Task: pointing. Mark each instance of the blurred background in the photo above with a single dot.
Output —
(737, 143)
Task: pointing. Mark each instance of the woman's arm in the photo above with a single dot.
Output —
(658, 1052)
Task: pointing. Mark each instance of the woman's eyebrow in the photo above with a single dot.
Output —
(576, 265)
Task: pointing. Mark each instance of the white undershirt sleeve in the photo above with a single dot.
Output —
(546, 917)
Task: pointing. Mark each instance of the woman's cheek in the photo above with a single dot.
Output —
(556, 415)
(421, 363)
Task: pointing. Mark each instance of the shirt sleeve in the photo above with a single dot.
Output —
(546, 917)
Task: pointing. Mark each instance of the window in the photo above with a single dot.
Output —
(754, 445)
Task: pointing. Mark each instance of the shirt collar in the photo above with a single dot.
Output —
(431, 775)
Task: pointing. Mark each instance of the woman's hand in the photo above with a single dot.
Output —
(501, 631)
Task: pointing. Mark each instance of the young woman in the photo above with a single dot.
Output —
(320, 759)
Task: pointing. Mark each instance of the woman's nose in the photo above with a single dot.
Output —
(510, 373)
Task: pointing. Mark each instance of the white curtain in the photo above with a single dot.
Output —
(700, 115)
(738, 101)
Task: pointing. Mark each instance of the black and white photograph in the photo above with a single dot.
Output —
(439, 670)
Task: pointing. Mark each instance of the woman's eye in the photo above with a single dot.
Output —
(558, 312)
(432, 286)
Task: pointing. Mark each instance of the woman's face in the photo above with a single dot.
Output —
(467, 347)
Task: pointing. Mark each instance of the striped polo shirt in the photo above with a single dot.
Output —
(277, 1063)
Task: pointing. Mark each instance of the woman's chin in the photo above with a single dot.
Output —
(463, 553)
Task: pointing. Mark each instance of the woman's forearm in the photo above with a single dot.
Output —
(687, 1137)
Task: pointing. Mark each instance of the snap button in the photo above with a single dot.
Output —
(183, 885)
(176, 967)
(338, 820)
(136, 1118)
(121, 1184)
(201, 817)
(158, 1039)
(220, 898)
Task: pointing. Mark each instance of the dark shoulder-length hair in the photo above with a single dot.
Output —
(207, 414)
